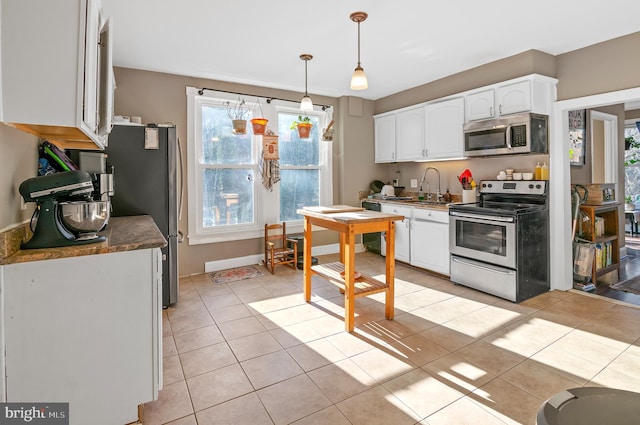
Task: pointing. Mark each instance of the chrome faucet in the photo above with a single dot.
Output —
(424, 179)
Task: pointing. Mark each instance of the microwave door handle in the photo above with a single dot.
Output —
(509, 137)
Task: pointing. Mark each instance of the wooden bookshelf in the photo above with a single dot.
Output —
(608, 240)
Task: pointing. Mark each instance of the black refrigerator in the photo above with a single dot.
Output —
(146, 164)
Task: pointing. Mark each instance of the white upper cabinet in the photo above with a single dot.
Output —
(480, 105)
(57, 77)
(443, 129)
(385, 137)
(514, 98)
(410, 134)
(530, 94)
(433, 131)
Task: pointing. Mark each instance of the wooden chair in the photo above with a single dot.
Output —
(276, 250)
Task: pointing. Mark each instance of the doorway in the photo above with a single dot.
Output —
(560, 183)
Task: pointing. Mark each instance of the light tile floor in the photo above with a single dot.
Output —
(253, 352)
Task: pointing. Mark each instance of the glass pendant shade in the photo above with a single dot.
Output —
(306, 104)
(359, 79)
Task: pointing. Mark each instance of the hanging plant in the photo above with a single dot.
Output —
(303, 124)
(259, 125)
(238, 112)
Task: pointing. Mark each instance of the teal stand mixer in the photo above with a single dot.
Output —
(66, 214)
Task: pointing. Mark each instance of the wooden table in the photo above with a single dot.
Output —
(350, 221)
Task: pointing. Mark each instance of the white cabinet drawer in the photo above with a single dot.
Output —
(431, 215)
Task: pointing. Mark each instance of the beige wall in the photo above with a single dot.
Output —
(600, 68)
(20, 153)
(525, 63)
(160, 98)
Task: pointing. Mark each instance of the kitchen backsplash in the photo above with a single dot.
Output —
(481, 168)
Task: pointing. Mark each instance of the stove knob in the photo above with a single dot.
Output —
(530, 186)
(538, 186)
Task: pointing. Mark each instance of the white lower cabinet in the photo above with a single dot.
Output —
(402, 244)
(430, 240)
(84, 330)
(422, 238)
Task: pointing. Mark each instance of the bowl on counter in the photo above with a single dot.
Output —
(517, 176)
(85, 217)
(527, 176)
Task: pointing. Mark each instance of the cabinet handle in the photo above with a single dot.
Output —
(490, 111)
(500, 109)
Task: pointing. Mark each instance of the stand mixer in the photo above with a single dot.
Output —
(66, 213)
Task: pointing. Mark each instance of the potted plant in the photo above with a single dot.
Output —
(630, 142)
(238, 113)
(628, 204)
(303, 124)
(259, 125)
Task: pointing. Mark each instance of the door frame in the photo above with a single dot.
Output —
(560, 182)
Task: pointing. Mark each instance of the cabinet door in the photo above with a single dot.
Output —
(91, 66)
(402, 240)
(514, 98)
(443, 129)
(385, 138)
(70, 334)
(410, 134)
(430, 246)
(480, 105)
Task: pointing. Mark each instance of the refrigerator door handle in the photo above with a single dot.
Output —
(181, 183)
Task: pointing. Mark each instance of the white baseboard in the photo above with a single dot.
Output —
(249, 260)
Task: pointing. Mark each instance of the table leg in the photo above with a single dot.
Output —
(342, 243)
(307, 260)
(390, 272)
(348, 242)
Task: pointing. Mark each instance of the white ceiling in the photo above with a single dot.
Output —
(404, 44)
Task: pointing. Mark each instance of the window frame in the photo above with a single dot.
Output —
(266, 203)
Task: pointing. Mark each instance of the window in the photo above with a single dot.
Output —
(227, 200)
(632, 163)
(299, 167)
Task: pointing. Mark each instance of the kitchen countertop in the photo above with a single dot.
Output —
(410, 203)
(122, 233)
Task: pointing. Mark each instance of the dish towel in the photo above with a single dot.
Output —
(270, 171)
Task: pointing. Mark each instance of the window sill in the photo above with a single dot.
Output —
(230, 236)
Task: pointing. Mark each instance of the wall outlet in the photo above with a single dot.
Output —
(414, 183)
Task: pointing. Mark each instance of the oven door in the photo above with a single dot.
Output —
(486, 238)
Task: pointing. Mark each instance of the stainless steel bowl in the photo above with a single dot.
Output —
(85, 216)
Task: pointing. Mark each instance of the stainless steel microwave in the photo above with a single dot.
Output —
(513, 134)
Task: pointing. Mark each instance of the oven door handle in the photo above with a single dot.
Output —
(482, 217)
(487, 267)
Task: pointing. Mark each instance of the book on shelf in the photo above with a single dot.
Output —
(599, 226)
(604, 255)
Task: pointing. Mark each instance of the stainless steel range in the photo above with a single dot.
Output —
(500, 245)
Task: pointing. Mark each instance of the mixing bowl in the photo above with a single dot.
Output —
(85, 216)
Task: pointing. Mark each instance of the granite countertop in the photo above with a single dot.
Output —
(122, 233)
(410, 203)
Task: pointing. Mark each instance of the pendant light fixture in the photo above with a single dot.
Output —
(359, 78)
(306, 104)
